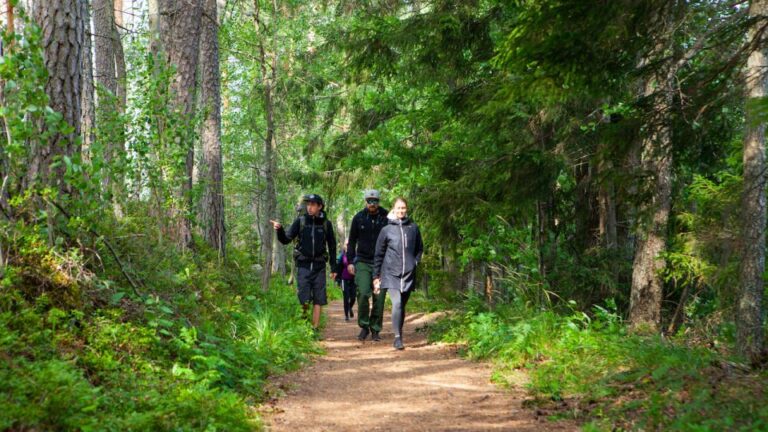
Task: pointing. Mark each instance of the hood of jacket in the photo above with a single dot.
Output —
(393, 220)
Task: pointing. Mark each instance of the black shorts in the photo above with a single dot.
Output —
(311, 284)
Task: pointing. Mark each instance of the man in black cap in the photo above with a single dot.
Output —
(363, 232)
(316, 243)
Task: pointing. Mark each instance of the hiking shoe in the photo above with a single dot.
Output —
(375, 336)
(351, 314)
(398, 344)
(346, 318)
(317, 335)
(363, 334)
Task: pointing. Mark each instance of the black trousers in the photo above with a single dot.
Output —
(399, 300)
(349, 289)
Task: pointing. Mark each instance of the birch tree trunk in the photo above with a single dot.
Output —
(749, 311)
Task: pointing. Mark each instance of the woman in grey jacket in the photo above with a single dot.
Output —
(398, 252)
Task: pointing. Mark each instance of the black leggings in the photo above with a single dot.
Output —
(399, 300)
(350, 292)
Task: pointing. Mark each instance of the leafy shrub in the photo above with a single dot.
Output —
(192, 355)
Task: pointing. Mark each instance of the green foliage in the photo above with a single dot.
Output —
(192, 354)
(507, 124)
(24, 100)
(605, 376)
(47, 394)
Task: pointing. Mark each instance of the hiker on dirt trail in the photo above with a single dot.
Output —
(364, 230)
(315, 244)
(398, 252)
(347, 282)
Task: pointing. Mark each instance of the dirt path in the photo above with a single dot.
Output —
(372, 387)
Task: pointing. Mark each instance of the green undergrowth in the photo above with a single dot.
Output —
(588, 367)
(190, 350)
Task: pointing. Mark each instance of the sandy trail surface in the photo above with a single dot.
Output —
(369, 386)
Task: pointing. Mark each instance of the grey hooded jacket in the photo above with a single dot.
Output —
(398, 252)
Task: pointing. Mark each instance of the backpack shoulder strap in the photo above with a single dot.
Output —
(327, 226)
(302, 224)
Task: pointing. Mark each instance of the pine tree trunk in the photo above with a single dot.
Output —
(750, 302)
(656, 162)
(180, 37)
(110, 128)
(106, 83)
(120, 67)
(5, 168)
(211, 170)
(270, 195)
(120, 71)
(489, 287)
(119, 13)
(587, 220)
(121, 80)
(88, 101)
(607, 226)
(104, 64)
(545, 231)
(269, 77)
(63, 32)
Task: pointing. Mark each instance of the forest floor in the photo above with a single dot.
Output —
(371, 386)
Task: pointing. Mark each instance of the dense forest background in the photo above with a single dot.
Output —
(589, 178)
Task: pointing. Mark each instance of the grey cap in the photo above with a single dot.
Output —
(372, 193)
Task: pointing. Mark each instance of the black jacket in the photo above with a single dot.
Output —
(398, 252)
(364, 231)
(316, 242)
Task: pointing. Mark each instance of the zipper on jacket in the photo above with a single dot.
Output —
(373, 220)
(403, 241)
(312, 261)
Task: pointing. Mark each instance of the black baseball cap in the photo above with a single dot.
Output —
(314, 198)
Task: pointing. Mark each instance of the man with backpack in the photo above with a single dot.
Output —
(315, 243)
(363, 232)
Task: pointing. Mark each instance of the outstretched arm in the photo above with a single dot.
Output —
(284, 236)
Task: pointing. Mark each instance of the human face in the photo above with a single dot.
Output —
(372, 204)
(400, 209)
(313, 208)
